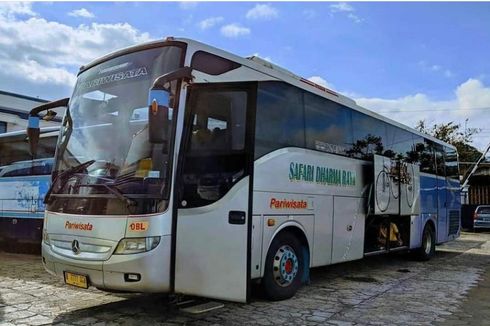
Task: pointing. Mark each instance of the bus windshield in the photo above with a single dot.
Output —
(107, 122)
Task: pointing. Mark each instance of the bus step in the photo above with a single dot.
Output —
(203, 307)
(185, 302)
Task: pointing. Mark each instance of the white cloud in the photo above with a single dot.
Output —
(39, 54)
(341, 6)
(309, 13)
(473, 94)
(320, 81)
(448, 73)
(471, 100)
(435, 68)
(234, 30)
(84, 13)
(187, 5)
(346, 8)
(12, 9)
(354, 18)
(210, 22)
(262, 11)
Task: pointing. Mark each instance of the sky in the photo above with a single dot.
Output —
(405, 60)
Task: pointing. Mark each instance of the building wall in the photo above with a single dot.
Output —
(14, 109)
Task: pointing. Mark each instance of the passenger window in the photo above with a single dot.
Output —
(328, 125)
(369, 136)
(451, 161)
(280, 118)
(440, 168)
(399, 143)
(215, 157)
(427, 159)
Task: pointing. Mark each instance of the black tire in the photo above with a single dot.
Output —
(427, 250)
(271, 282)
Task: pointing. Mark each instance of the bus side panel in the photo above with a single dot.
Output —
(22, 207)
(348, 229)
(428, 199)
(454, 208)
(415, 231)
(322, 251)
(442, 220)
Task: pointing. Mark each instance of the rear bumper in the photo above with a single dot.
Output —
(153, 267)
(477, 224)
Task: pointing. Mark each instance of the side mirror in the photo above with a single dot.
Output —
(33, 130)
(158, 103)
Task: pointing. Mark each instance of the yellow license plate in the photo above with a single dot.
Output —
(76, 280)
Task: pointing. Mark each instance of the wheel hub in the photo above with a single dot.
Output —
(285, 266)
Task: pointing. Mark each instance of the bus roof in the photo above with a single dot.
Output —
(274, 71)
(18, 134)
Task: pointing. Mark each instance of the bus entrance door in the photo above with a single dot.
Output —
(213, 188)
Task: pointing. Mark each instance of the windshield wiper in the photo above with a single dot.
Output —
(64, 176)
(112, 189)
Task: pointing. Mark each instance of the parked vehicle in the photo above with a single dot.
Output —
(481, 217)
(183, 168)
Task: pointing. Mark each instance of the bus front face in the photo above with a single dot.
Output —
(107, 214)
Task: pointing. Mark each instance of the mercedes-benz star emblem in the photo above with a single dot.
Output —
(75, 247)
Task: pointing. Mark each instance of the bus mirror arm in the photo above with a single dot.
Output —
(162, 82)
(33, 121)
(160, 100)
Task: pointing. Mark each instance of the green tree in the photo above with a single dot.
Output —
(453, 134)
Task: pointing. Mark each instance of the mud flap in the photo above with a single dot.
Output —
(305, 279)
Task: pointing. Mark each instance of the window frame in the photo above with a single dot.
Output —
(251, 90)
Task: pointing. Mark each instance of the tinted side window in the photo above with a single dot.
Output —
(440, 169)
(18, 149)
(398, 144)
(280, 118)
(35, 169)
(215, 156)
(212, 64)
(427, 158)
(369, 136)
(328, 125)
(414, 155)
(451, 161)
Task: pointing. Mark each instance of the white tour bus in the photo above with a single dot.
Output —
(183, 168)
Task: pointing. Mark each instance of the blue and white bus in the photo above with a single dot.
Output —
(183, 168)
(23, 185)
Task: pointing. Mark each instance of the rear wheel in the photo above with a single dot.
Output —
(428, 248)
(283, 267)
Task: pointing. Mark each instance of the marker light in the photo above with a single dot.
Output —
(154, 107)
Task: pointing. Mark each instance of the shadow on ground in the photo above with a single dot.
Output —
(161, 309)
(2, 308)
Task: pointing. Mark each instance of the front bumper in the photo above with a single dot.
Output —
(153, 267)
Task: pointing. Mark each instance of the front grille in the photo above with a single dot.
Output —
(453, 222)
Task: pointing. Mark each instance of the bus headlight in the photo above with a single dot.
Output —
(136, 245)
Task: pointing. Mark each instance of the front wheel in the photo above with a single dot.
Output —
(283, 267)
(428, 248)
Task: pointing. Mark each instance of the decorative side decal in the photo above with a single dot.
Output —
(321, 175)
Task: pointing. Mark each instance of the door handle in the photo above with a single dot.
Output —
(236, 217)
